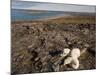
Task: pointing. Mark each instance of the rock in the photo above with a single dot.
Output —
(37, 46)
(55, 52)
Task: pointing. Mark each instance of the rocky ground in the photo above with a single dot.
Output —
(37, 45)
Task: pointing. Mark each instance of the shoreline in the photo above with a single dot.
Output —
(61, 17)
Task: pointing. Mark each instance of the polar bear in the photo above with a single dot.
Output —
(73, 59)
(65, 52)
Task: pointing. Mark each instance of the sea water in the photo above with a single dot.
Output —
(30, 15)
(27, 15)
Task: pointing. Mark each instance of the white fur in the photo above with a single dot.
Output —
(65, 52)
(73, 60)
(68, 60)
(75, 64)
(75, 53)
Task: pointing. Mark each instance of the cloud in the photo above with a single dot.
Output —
(19, 4)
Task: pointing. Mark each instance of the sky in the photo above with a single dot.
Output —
(19, 4)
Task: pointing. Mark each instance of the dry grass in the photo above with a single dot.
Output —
(74, 20)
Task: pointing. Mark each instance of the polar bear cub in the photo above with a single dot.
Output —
(73, 59)
(75, 53)
(65, 52)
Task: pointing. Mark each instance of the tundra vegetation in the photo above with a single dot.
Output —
(48, 45)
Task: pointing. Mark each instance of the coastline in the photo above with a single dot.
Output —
(90, 19)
